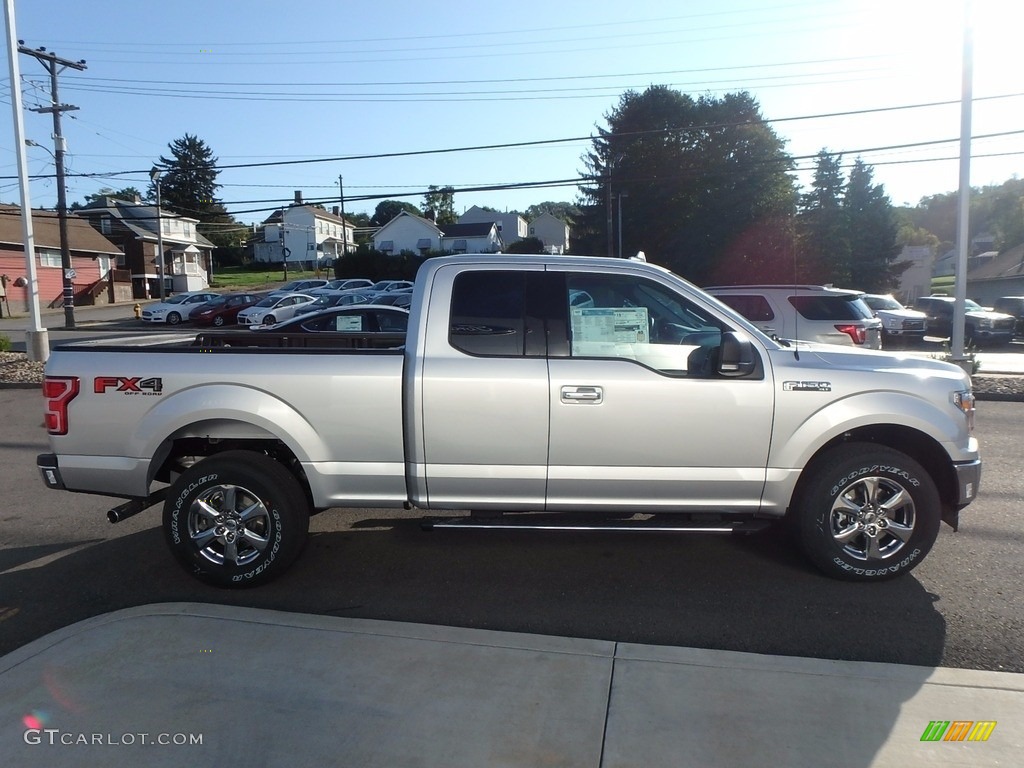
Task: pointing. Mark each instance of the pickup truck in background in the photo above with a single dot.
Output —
(645, 404)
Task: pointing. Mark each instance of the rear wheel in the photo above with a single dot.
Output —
(236, 519)
(868, 513)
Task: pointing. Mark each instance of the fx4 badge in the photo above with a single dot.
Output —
(807, 386)
(128, 385)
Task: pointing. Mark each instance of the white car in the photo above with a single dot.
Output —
(177, 308)
(274, 309)
(807, 312)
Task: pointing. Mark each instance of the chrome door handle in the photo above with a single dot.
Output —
(582, 394)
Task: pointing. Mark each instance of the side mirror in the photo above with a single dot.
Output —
(737, 357)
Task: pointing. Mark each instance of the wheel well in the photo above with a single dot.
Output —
(917, 445)
(176, 455)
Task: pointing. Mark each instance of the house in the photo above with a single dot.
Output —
(511, 226)
(93, 257)
(916, 280)
(130, 224)
(409, 233)
(481, 237)
(414, 234)
(992, 274)
(303, 232)
(551, 231)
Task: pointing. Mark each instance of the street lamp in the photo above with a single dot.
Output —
(154, 176)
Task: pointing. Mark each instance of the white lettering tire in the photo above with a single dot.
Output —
(867, 513)
(236, 519)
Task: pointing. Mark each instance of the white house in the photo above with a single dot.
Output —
(407, 232)
(551, 231)
(481, 237)
(916, 281)
(511, 226)
(304, 233)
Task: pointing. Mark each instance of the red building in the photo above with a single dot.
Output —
(93, 259)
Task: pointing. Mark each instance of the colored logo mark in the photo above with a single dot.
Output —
(958, 730)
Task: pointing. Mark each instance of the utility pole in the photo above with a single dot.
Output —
(344, 229)
(55, 65)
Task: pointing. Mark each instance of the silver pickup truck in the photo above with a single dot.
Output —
(531, 391)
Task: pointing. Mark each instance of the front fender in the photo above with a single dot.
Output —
(796, 441)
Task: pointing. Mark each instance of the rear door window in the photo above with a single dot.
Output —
(831, 308)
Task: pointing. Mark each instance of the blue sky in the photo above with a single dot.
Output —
(306, 80)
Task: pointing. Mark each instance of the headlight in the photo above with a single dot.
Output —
(964, 401)
(985, 322)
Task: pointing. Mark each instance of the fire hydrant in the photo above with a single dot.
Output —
(138, 311)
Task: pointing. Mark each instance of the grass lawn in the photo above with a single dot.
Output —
(249, 278)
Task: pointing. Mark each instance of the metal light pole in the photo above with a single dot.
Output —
(621, 195)
(154, 175)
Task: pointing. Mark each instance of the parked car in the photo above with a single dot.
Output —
(1012, 305)
(327, 299)
(299, 286)
(402, 298)
(274, 309)
(346, 284)
(224, 309)
(355, 318)
(807, 312)
(177, 308)
(900, 325)
(385, 286)
(981, 326)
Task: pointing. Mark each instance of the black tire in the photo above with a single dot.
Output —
(269, 320)
(218, 320)
(236, 519)
(173, 318)
(868, 513)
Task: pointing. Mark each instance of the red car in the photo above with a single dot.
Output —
(224, 309)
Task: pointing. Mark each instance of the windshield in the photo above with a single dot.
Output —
(179, 299)
(882, 302)
(268, 302)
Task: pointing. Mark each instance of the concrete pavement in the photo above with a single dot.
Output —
(206, 685)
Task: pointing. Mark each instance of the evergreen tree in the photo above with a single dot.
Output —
(188, 185)
(823, 251)
(439, 205)
(872, 231)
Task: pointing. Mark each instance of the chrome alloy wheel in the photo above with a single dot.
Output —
(873, 518)
(229, 524)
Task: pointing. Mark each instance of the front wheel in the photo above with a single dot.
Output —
(236, 519)
(269, 320)
(218, 321)
(173, 318)
(868, 513)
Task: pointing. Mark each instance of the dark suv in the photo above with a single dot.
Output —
(980, 325)
(1012, 305)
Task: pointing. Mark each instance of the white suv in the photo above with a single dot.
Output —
(807, 312)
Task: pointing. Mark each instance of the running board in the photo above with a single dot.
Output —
(645, 526)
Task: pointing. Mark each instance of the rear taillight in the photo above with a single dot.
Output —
(58, 391)
(856, 332)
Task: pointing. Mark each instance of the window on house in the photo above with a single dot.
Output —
(105, 225)
(48, 257)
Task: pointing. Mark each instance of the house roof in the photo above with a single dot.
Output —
(277, 216)
(141, 220)
(425, 222)
(1008, 264)
(46, 231)
(476, 229)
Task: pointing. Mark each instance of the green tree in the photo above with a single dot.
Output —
(823, 251)
(386, 210)
(439, 205)
(567, 212)
(526, 245)
(871, 230)
(702, 184)
(188, 185)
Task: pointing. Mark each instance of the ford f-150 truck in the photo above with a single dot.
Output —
(540, 391)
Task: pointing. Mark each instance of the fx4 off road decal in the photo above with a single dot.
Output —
(807, 386)
(128, 385)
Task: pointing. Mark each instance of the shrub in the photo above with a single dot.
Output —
(5, 343)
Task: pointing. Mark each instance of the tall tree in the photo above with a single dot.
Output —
(871, 231)
(702, 185)
(188, 185)
(125, 193)
(386, 210)
(439, 205)
(567, 212)
(823, 251)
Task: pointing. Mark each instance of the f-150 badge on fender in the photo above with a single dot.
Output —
(807, 386)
